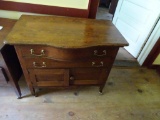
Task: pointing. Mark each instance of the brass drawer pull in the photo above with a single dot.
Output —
(96, 53)
(43, 65)
(71, 78)
(42, 53)
(100, 65)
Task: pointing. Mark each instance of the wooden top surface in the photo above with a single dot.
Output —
(64, 32)
(7, 26)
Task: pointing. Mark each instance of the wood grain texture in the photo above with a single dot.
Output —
(66, 54)
(49, 42)
(65, 32)
(45, 66)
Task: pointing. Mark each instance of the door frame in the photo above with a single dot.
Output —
(150, 43)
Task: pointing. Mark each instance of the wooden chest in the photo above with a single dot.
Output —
(64, 51)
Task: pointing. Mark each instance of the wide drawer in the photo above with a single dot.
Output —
(51, 63)
(67, 54)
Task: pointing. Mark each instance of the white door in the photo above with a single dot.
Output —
(135, 19)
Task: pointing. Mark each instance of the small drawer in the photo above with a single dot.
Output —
(50, 63)
(68, 54)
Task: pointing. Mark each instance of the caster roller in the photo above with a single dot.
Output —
(36, 95)
(19, 97)
(100, 93)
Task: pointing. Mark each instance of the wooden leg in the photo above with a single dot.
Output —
(16, 88)
(17, 91)
(36, 95)
(101, 89)
(32, 90)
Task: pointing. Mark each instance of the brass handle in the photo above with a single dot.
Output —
(95, 65)
(71, 78)
(96, 53)
(42, 53)
(43, 65)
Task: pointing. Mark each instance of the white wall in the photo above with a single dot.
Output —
(80, 4)
(14, 14)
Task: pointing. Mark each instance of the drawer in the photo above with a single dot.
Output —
(67, 54)
(88, 76)
(50, 63)
(49, 77)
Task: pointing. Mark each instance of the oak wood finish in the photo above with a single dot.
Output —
(65, 32)
(10, 70)
(64, 51)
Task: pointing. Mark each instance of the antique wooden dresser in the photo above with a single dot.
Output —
(65, 51)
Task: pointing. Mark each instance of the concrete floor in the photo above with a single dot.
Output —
(129, 94)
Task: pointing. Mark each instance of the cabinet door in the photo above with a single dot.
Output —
(88, 76)
(49, 77)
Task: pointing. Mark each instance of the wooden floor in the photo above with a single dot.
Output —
(129, 94)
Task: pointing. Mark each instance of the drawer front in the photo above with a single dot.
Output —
(68, 54)
(88, 76)
(50, 63)
(49, 77)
